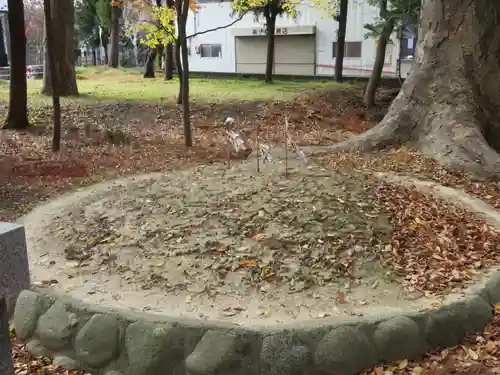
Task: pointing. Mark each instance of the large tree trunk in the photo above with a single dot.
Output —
(449, 105)
(17, 117)
(339, 56)
(271, 28)
(94, 56)
(378, 65)
(64, 34)
(149, 69)
(114, 59)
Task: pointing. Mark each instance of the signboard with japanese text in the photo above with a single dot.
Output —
(263, 31)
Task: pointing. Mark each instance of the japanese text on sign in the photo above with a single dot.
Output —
(263, 31)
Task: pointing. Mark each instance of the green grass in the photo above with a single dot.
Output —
(102, 84)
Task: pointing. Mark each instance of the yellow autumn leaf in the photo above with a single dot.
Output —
(417, 370)
(403, 364)
(491, 346)
(259, 236)
(497, 308)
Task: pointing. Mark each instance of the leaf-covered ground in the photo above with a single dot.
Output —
(118, 135)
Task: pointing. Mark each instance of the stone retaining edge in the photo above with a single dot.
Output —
(118, 342)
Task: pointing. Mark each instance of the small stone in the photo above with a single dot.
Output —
(36, 349)
(28, 309)
(283, 354)
(398, 338)
(66, 363)
(97, 342)
(56, 326)
(214, 352)
(344, 350)
(151, 348)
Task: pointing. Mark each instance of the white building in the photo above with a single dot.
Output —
(304, 46)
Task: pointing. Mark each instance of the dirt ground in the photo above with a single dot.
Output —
(233, 244)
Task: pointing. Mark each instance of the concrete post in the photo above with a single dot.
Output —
(14, 277)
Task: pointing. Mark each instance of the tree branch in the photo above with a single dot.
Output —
(216, 28)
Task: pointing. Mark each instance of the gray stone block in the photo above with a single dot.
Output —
(29, 307)
(493, 288)
(448, 325)
(97, 342)
(398, 338)
(445, 326)
(216, 352)
(344, 351)
(478, 313)
(152, 348)
(36, 349)
(55, 327)
(283, 354)
(6, 363)
(66, 362)
(14, 267)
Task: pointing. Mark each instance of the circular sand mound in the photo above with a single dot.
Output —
(240, 245)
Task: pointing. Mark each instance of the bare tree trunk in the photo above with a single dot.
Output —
(169, 62)
(169, 53)
(149, 70)
(378, 65)
(17, 117)
(94, 56)
(106, 54)
(63, 25)
(448, 106)
(4, 61)
(56, 110)
(114, 59)
(271, 25)
(178, 63)
(188, 139)
(339, 56)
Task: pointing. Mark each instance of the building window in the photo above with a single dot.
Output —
(408, 41)
(352, 50)
(210, 50)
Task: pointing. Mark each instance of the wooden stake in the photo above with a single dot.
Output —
(257, 141)
(286, 147)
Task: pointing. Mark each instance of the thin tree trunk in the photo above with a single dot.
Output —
(188, 139)
(169, 62)
(106, 54)
(4, 61)
(271, 27)
(339, 56)
(448, 106)
(114, 59)
(63, 25)
(169, 53)
(378, 65)
(56, 110)
(178, 63)
(94, 56)
(17, 117)
(149, 70)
